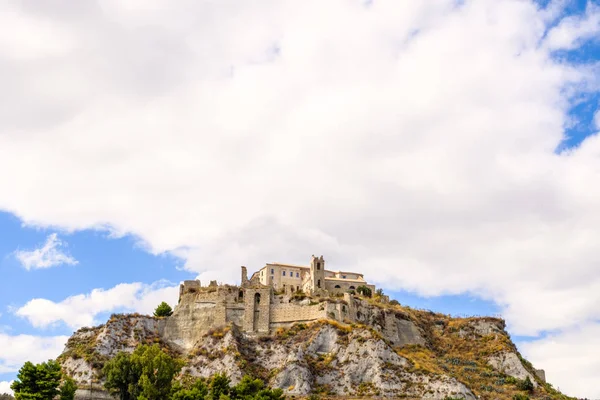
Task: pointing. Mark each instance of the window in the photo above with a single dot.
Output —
(297, 274)
(319, 283)
(297, 288)
(343, 276)
(352, 288)
(318, 266)
(283, 273)
(338, 287)
(272, 271)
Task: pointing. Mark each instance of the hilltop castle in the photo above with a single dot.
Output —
(272, 297)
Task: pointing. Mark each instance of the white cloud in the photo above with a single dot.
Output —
(558, 353)
(82, 310)
(412, 140)
(5, 387)
(573, 30)
(47, 256)
(16, 350)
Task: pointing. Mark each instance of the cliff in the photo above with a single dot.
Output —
(391, 351)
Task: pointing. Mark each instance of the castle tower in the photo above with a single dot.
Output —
(244, 275)
(317, 274)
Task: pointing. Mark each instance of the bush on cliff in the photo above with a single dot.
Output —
(365, 291)
(163, 310)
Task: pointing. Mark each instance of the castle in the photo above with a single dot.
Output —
(273, 297)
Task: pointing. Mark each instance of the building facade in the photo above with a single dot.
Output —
(311, 279)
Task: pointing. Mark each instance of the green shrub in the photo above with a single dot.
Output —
(365, 291)
(526, 385)
(163, 310)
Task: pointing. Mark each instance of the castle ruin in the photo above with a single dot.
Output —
(277, 295)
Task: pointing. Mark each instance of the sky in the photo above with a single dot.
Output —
(447, 149)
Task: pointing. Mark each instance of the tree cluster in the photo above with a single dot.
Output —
(44, 381)
(219, 388)
(149, 374)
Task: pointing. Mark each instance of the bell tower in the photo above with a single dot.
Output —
(317, 273)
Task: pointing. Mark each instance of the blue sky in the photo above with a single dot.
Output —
(447, 150)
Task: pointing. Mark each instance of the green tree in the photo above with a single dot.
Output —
(254, 389)
(68, 389)
(121, 377)
(365, 291)
(197, 390)
(157, 371)
(219, 386)
(147, 373)
(37, 382)
(163, 310)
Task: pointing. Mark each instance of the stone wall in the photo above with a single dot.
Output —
(235, 314)
(257, 306)
(297, 313)
(192, 319)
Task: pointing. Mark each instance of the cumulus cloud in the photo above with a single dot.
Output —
(81, 310)
(48, 256)
(16, 350)
(412, 140)
(5, 387)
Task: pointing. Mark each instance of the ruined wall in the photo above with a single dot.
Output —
(191, 319)
(295, 312)
(235, 314)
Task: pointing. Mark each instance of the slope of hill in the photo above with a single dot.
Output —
(394, 352)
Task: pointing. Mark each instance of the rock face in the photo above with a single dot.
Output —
(390, 352)
(511, 365)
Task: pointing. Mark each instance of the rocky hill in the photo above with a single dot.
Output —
(394, 352)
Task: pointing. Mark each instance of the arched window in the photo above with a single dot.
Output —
(338, 287)
(352, 288)
(318, 283)
(257, 298)
(318, 266)
(241, 294)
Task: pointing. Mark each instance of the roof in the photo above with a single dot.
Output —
(288, 265)
(306, 267)
(331, 278)
(348, 272)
